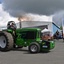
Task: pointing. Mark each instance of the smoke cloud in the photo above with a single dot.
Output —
(36, 17)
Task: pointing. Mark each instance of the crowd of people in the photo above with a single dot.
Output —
(58, 35)
(47, 35)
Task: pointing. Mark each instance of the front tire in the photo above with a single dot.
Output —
(6, 41)
(34, 48)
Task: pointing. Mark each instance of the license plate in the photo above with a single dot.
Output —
(44, 46)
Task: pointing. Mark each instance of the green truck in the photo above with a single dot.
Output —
(23, 37)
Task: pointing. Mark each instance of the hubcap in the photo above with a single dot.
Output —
(2, 42)
(33, 48)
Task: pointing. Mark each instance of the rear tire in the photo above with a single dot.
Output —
(6, 41)
(34, 48)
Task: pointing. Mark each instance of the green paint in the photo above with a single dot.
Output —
(25, 36)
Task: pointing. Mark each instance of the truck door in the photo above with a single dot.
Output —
(20, 39)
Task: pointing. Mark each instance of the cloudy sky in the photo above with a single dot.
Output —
(38, 8)
(44, 7)
(4, 16)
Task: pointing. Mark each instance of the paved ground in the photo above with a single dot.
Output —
(21, 56)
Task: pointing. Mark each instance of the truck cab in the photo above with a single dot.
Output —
(27, 35)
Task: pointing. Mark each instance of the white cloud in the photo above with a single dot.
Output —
(5, 17)
(58, 18)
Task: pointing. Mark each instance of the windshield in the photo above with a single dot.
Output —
(28, 34)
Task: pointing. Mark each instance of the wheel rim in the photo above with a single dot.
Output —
(2, 42)
(33, 48)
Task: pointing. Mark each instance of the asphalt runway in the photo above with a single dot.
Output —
(22, 56)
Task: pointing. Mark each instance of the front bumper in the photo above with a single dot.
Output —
(47, 45)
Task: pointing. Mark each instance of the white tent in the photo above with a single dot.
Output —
(45, 30)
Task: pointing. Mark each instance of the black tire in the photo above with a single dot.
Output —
(34, 48)
(7, 39)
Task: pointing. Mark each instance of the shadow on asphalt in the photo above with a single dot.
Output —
(27, 52)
